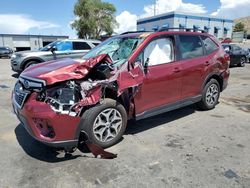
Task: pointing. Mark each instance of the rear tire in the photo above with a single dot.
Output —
(242, 61)
(210, 95)
(104, 123)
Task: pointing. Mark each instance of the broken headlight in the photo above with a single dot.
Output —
(62, 98)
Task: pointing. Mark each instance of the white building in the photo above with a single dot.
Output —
(19, 42)
(219, 27)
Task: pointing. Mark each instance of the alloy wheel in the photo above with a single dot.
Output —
(107, 125)
(212, 94)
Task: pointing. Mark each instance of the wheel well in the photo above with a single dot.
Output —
(29, 60)
(122, 99)
(219, 80)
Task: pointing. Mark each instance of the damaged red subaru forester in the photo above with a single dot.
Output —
(134, 75)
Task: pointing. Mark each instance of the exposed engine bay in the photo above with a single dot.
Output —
(65, 97)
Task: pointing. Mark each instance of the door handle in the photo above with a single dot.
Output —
(207, 63)
(176, 70)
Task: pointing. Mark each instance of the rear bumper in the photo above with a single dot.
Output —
(44, 125)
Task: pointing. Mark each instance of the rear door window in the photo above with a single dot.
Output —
(159, 51)
(190, 46)
(81, 46)
(209, 44)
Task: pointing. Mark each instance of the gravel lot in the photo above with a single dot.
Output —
(183, 148)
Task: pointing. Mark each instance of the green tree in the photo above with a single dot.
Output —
(93, 18)
(239, 27)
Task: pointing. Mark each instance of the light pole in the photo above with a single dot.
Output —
(155, 7)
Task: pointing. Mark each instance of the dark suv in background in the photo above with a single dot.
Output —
(55, 50)
(134, 75)
(5, 52)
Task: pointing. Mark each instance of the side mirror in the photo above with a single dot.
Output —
(53, 49)
(227, 50)
(146, 66)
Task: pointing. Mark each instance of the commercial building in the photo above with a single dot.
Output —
(19, 42)
(219, 27)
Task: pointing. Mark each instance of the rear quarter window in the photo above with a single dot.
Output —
(209, 44)
(81, 46)
(190, 46)
(96, 44)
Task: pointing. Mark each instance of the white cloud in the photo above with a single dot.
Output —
(233, 9)
(163, 6)
(20, 23)
(127, 21)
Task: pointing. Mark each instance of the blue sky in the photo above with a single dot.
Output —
(54, 16)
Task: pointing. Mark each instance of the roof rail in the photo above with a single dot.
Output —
(181, 28)
(131, 32)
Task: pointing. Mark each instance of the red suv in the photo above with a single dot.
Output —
(131, 76)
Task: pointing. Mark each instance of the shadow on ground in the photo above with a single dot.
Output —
(42, 152)
(38, 150)
(15, 75)
(150, 123)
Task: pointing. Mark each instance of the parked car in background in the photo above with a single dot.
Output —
(5, 52)
(238, 56)
(226, 40)
(55, 50)
(130, 76)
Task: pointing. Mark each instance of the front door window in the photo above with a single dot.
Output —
(159, 51)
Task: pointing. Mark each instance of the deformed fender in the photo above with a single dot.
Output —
(93, 97)
(123, 78)
(129, 79)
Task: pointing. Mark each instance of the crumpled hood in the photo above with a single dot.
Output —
(62, 70)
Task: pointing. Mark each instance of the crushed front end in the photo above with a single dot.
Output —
(51, 112)
(46, 113)
(51, 98)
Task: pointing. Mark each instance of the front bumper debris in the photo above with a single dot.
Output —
(46, 126)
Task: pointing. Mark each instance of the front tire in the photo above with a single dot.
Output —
(31, 63)
(210, 95)
(105, 123)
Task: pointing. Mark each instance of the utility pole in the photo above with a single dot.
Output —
(155, 7)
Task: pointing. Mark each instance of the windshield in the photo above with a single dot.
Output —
(49, 46)
(119, 49)
(225, 46)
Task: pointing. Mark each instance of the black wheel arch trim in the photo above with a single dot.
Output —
(216, 75)
(25, 61)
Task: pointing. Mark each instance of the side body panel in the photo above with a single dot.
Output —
(161, 85)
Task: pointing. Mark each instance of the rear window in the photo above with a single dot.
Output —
(190, 46)
(209, 44)
(81, 46)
